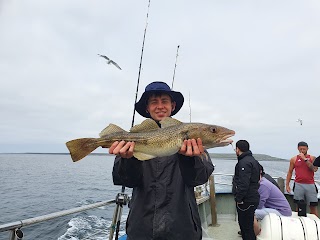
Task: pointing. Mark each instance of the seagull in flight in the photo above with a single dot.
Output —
(110, 61)
(300, 121)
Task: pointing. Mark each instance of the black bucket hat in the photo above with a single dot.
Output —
(158, 87)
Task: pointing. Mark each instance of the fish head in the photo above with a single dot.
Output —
(211, 135)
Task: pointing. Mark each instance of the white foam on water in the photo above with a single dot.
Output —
(90, 228)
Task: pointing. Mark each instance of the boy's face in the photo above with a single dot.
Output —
(160, 106)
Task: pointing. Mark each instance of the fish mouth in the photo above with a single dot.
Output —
(225, 140)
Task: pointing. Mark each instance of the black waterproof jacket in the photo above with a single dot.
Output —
(246, 179)
(163, 205)
(268, 177)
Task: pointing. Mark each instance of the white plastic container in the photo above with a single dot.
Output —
(275, 227)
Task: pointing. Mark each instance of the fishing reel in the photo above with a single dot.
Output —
(122, 199)
(16, 234)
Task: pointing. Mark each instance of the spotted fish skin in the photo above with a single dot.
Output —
(152, 141)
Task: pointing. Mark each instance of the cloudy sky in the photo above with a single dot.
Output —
(252, 66)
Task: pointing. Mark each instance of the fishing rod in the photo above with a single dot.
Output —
(144, 37)
(174, 74)
(189, 106)
(122, 198)
(175, 66)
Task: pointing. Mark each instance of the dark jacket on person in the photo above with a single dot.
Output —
(268, 177)
(246, 178)
(163, 204)
(316, 162)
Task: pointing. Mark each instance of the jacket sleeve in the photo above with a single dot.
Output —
(127, 172)
(195, 170)
(245, 170)
(264, 193)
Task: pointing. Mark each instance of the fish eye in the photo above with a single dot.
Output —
(213, 129)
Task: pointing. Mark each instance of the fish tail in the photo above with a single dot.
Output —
(79, 148)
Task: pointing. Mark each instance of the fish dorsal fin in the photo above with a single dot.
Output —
(146, 126)
(168, 122)
(111, 128)
(142, 156)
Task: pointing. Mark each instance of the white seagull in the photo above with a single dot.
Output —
(300, 121)
(110, 61)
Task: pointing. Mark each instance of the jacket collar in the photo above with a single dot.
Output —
(248, 153)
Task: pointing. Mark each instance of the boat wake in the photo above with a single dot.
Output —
(90, 228)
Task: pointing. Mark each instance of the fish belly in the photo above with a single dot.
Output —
(159, 149)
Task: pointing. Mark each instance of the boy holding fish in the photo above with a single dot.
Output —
(163, 204)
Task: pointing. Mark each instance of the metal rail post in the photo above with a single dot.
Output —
(213, 201)
(280, 182)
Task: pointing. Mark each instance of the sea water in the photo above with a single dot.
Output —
(37, 184)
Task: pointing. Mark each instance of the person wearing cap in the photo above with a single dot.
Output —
(163, 204)
(304, 188)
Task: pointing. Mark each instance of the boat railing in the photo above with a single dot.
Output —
(223, 183)
(280, 180)
(16, 233)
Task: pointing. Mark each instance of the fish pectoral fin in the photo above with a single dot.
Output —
(142, 156)
(169, 121)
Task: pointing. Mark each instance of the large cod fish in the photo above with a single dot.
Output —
(152, 141)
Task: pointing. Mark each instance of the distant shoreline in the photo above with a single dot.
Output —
(259, 157)
(225, 156)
